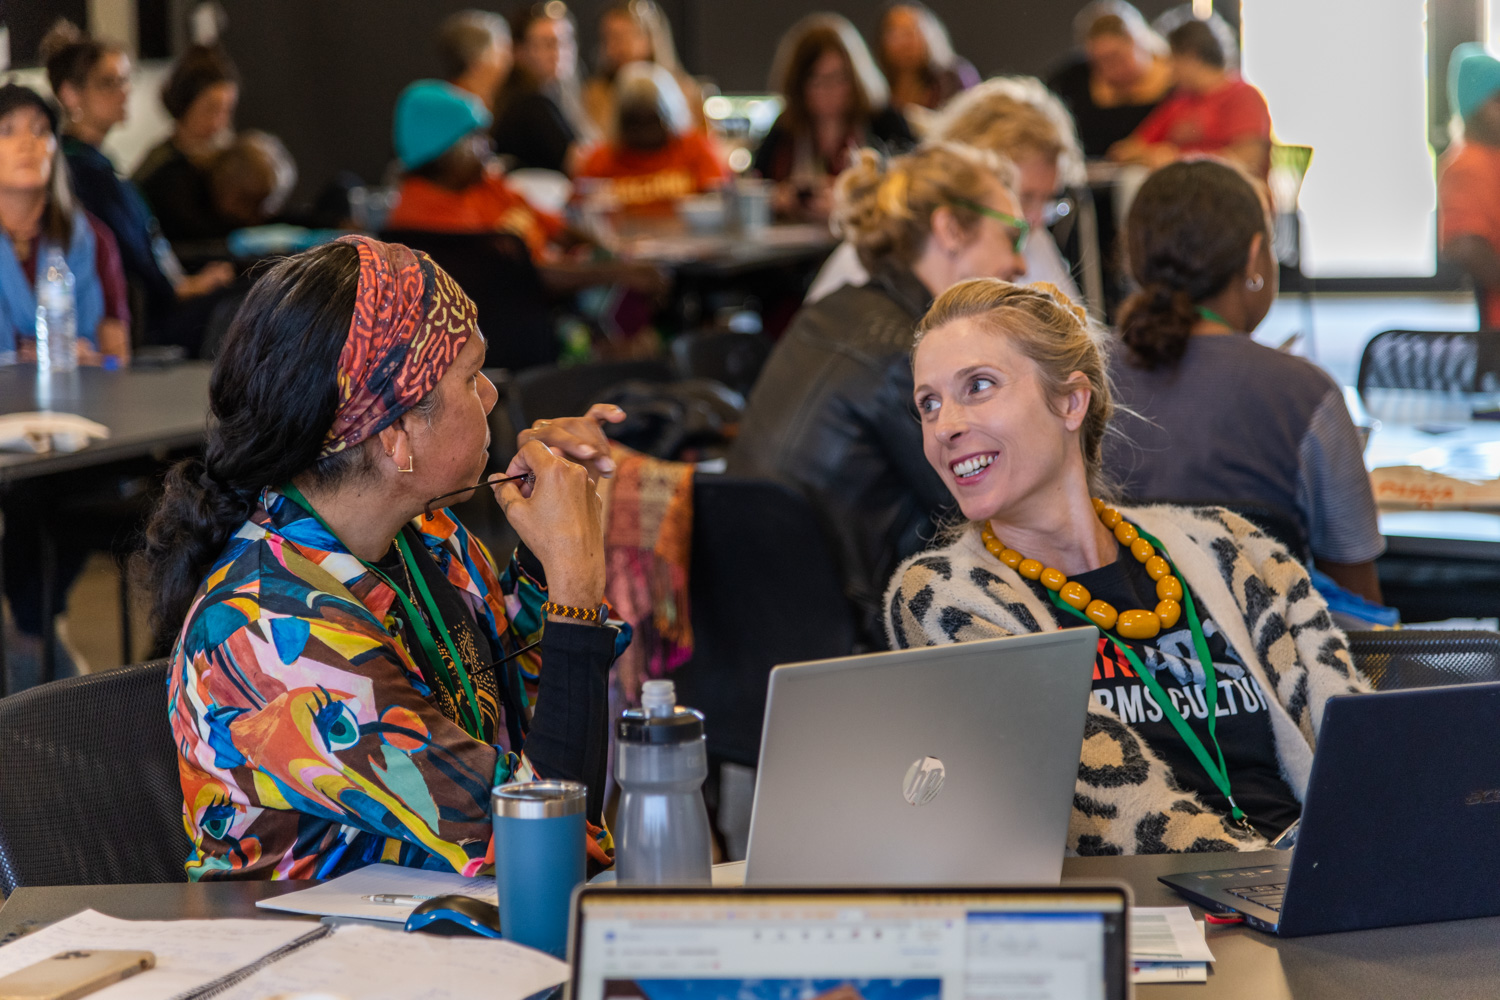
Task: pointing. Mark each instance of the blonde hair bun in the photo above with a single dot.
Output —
(884, 207)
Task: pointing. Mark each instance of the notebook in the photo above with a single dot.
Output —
(253, 959)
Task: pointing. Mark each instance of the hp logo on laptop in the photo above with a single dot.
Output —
(924, 779)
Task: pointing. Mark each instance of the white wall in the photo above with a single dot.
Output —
(1350, 81)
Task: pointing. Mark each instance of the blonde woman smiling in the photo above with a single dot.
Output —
(1216, 655)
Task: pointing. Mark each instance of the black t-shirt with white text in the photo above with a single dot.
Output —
(1243, 724)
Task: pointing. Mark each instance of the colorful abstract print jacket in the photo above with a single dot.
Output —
(308, 741)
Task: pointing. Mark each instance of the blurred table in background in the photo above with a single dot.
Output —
(1440, 563)
(150, 412)
(767, 269)
(147, 410)
(724, 254)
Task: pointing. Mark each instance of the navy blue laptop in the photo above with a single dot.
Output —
(1401, 824)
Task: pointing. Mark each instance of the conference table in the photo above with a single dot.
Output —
(1456, 960)
(150, 413)
(1437, 431)
(725, 254)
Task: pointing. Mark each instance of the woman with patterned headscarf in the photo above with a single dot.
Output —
(351, 673)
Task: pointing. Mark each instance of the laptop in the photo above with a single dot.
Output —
(653, 943)
(1401, 823)
(950, 765)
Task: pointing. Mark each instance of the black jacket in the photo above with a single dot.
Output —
(832, 416)
(120, 206)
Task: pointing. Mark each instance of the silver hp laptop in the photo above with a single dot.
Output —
(942, 765)
(658, 943)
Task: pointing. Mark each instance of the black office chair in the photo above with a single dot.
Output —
(1409, 658)
(552, 392)
(496, 271)
(1423, 359)
(764, 590)
(89, 787)
(734, 359)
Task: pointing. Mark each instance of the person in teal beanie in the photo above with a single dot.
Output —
(1469, 177)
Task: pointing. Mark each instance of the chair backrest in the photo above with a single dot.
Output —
(764, 590)
(1467, 361)
(552, 392)
(734, 359)
(496, 271)
(1409, 658)
(89, 787)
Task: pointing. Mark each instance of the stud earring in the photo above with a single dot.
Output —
(1255, 284)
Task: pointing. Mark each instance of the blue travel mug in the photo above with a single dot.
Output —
(539, 859)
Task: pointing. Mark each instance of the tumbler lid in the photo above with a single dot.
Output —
(683, 726)
(539, 799)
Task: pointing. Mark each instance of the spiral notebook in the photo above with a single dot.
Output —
(250, 959)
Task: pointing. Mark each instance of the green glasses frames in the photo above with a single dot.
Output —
(1021, 227)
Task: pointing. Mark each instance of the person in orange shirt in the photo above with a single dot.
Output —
(655, 154)
(452, 186)
(440, 135)
(1469, 178)
(1213, 110)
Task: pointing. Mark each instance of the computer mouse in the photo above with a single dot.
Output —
(453, 915)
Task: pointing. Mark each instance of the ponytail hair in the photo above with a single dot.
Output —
(272, 399)
(1187, 236)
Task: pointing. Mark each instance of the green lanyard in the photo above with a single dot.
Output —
(1218, 773)
(1214, 317)
(418, 624)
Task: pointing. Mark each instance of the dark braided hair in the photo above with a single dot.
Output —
(1188, 236)
(272, 398)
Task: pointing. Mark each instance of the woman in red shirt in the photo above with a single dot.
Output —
(654, 155)
(1212, 110)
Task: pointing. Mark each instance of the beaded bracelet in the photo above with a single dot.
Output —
(593, 615)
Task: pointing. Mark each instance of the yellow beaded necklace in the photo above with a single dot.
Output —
(1137, 624)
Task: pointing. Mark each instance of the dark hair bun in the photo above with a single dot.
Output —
(1188, 236)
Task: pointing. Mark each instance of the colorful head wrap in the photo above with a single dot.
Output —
(410, 321)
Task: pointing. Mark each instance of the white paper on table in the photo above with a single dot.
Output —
(344, 896)
(188, 953)
(1169, 972)
(370, 963)
(1166, 934)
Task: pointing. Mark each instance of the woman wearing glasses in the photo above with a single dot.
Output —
(831, 414)
(91, 79)
(836, 103)
(1017, 118)
(351, 673)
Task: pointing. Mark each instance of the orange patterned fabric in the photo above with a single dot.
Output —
(410, 321)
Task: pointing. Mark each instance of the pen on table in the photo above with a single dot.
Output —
(396, 898)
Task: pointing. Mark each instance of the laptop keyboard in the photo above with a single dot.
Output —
(1269, 896)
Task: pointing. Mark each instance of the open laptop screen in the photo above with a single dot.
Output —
(783, 944)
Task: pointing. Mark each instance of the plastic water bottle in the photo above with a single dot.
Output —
(661, 759)
(56, 315)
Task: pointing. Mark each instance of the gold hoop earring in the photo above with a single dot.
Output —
(409, 460)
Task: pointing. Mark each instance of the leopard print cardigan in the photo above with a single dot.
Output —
(1126, 801)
